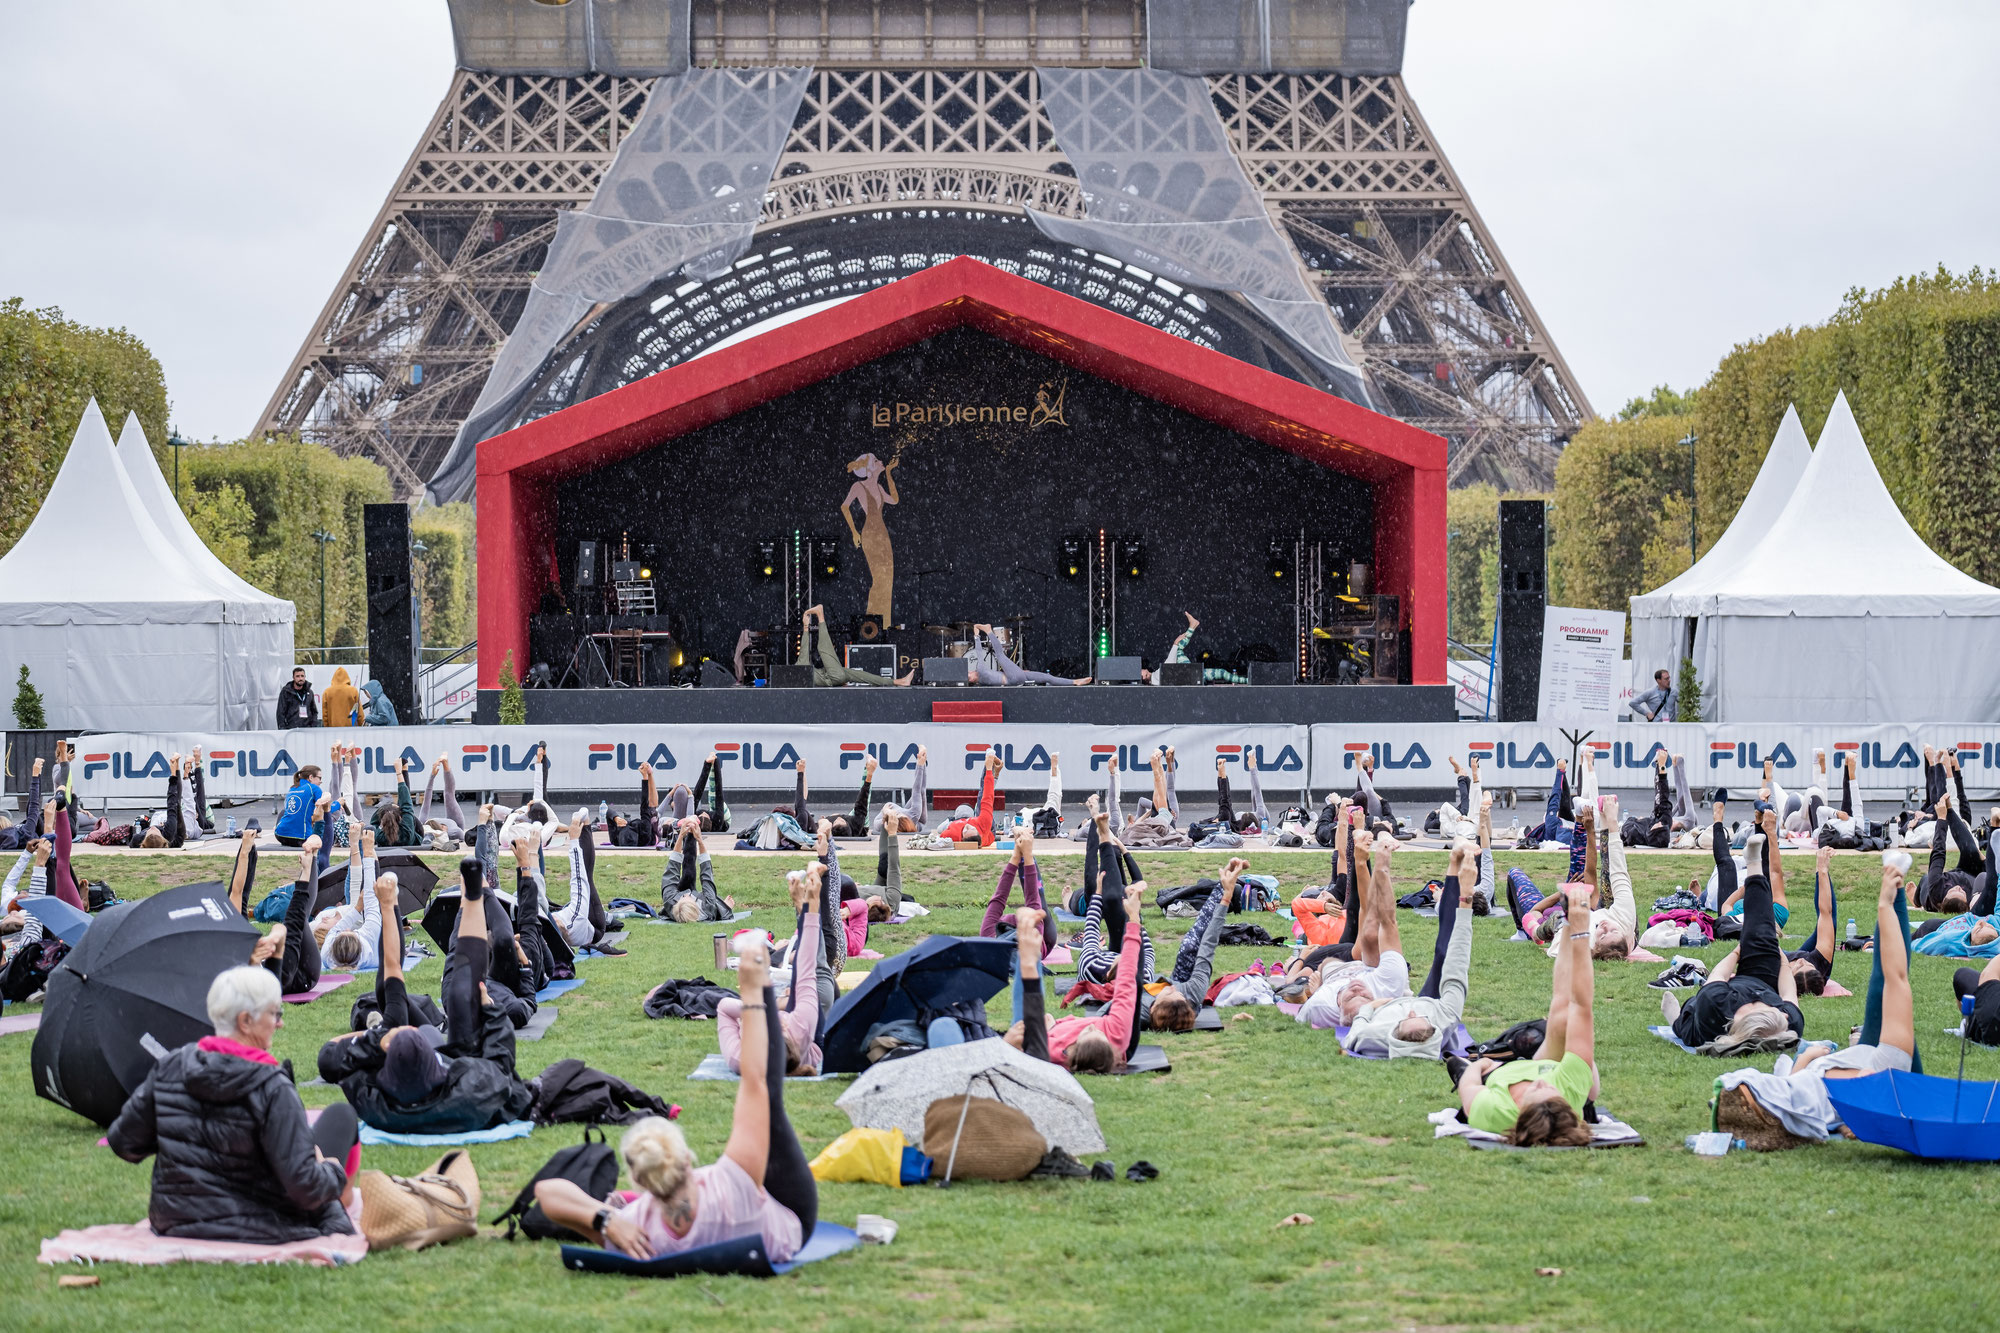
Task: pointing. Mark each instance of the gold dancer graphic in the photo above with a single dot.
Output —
(876, 487)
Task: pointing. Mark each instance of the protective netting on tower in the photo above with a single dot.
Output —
(571, 37)
(1351, 37)
(1163, 190)
(683, 195)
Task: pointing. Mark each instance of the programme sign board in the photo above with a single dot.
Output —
(1581, 672)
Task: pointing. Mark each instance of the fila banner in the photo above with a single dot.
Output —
(134, 765)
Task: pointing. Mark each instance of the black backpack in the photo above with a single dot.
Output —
(572, 1091)
(30, 969)
(590, 1165)
(1048, 823)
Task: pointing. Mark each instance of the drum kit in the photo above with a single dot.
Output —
(956, 638)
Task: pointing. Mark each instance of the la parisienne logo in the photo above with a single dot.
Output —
(1047, 411)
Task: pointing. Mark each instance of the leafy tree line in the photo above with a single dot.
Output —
(256, 503)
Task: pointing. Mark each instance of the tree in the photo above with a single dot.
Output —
(1688, 702)
(448, 576)
(28, 712)
(513, 701)
(1472, 566)
(1614, 483)
(1662, 402)
(50, 369)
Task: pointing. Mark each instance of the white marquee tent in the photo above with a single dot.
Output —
(1659, 634)
(125, 620)
(1841, 613)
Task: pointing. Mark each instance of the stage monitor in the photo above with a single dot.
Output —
(1180, 673)
(1274, 673)
(875, 658)
(1117, 671)
(947, 671)
(785, 677)
(715, 676)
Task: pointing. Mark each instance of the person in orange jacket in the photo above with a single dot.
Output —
(1323, 918)
(340, 706)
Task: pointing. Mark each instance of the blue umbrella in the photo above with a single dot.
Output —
(58, 918)
(942, 971)
(1939, 1119)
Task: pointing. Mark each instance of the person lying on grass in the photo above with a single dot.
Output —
(1750, 997)
(1097, 1044)
(760, 1186)
(798, 1017)
(1378, 970)
(1175, 1008)
(1416, 1026)
(1540, 1102)
(1789, 1106)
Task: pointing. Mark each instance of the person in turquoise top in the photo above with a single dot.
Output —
(1540, 1101)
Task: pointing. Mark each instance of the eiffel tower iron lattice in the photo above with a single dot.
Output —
(1419, 290)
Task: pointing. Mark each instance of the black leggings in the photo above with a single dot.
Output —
(713, 820)
(175, 831)
(787, 1177)
(854, 824)
(1343, 951)
(464, 1016)
(1759, 954)
(336, 1132)
(297, 968)
(1447, 904)
(595, 912)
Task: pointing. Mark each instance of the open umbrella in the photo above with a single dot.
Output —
(58, 918)
(895, 1094)
(441, 924)
(414, 882)
(134, 989)
(1940, 1119)
(942, 971)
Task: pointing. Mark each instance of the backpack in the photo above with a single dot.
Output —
(590, 1165)
(100, 896)
(573, 1091)
(274, 905)
(31, 969)
(1048, 823)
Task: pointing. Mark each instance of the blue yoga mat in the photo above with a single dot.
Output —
(513, 1129)
(743, 1257)
(557, 989)
(1666, 1034)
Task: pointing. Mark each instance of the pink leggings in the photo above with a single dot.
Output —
(799, 1022)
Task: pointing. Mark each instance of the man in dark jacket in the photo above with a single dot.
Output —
(297, 705)
(236, 1160)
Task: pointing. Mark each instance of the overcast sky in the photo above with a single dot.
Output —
(1666, 180)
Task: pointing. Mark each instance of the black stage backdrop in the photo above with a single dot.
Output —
(982, 500)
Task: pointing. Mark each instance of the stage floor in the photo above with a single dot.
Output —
(1093, 705)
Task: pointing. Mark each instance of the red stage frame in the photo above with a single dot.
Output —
(519, 470)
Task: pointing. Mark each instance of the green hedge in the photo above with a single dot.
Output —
(50, 368)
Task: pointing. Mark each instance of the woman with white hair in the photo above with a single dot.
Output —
(760, 1186)
(1750, 1000)
(235, 1159)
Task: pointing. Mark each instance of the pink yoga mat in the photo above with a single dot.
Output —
(20, 1022)
(328, 981)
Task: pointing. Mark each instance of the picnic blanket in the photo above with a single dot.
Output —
(1606, 1133)
(513, 1129)
(138, 1243)
(328, 981)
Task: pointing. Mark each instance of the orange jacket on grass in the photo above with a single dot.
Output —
(1322, 922)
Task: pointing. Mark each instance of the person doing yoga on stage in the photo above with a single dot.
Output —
(831, 670)
(992, 666)
(761, 1185)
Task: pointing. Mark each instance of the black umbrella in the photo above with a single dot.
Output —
(441, 924)
(134, 989)
(414, 882)
(942, 971)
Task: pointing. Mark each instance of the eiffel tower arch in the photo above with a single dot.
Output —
(922, 134)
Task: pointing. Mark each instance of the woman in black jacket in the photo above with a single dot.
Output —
(235, 1158)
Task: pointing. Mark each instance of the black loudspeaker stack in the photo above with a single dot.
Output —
(395, 635)
(1523, 595)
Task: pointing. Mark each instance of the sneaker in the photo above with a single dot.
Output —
(1104, 1171)
(1057, 1164)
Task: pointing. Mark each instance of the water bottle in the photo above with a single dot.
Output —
(604, 813)
(231, 832)
(1850, 928)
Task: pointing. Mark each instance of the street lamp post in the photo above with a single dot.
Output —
(322, 536)
(1689, 441)
(176, 443)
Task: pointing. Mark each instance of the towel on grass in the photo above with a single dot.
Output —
(513, 1129)
(1606, 1133)
(328, 981)
(137, 1243)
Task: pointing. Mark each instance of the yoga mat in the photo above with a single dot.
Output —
(1666, 1034)
(514, 1129)
(410, 960)
(328, 981)
(1207, 1020)
(743, 1257)
(714, 1069)
(615, 938)
(1606, 1133)
(1287, 1007)
(669, 921)
(538, 1026)
(20, 1022)
(1146, 1060)
(557, 989)
(1456, 1042)
(1067, 918)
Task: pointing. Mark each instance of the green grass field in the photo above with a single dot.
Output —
(1257, 1122)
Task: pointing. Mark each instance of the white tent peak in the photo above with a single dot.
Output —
(1777, 478)
(135, 455)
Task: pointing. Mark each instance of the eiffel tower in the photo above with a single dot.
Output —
(918, 130)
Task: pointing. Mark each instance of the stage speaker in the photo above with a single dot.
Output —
(1117, 671)
(1180, 673)
(877, 659)
(869, 629)
(394, 634)
(790, 677)
(1386, 662)
(715, 676)
(1274, 673)
(947, 671)
(586, 564)
(1523, 572)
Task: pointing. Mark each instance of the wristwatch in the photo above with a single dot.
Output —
(597, 1223)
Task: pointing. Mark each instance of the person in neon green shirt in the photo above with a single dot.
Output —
(1540, 1101)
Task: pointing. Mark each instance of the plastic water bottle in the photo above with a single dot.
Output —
(231, 832)
(604, 813)
(1850, 928)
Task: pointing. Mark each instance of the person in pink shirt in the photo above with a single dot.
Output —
(1021, 865)
(761, 1186)
(1083, 1045)
(799, 1017)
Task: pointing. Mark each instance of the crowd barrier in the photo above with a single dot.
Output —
(133, 765)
